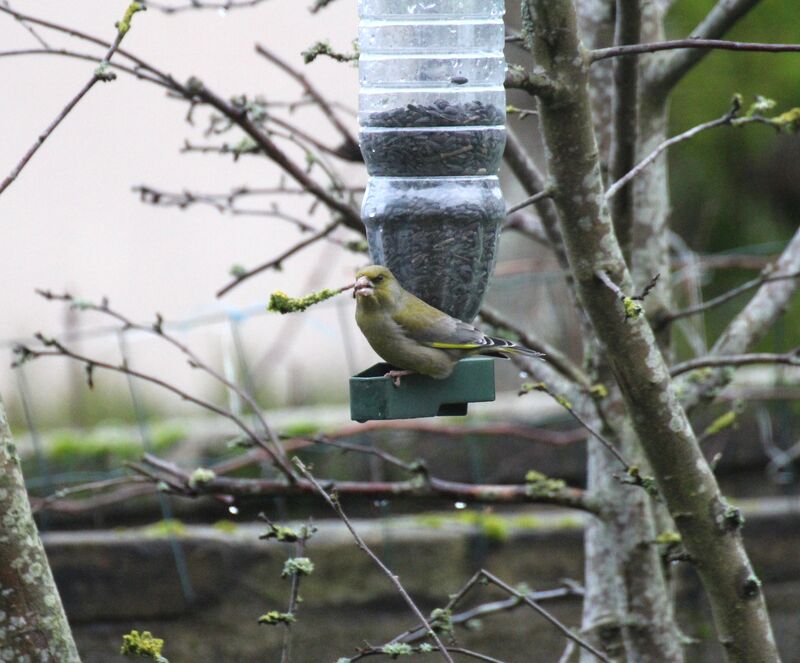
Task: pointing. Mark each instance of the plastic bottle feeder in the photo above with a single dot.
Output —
(432, 111)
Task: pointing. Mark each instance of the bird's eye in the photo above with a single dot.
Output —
(378, 279)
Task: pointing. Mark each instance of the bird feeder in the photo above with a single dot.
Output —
(432, 113)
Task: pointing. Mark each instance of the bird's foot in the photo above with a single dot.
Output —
(396, 375)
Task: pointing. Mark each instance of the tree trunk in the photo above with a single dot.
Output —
(33, 626)
(708, 526)
(628, 608)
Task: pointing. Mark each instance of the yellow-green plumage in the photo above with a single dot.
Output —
(412, 335)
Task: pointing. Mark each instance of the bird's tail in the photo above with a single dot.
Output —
(500, 347)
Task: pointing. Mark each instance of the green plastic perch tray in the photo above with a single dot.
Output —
(373, 396)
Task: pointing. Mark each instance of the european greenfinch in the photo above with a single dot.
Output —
(413, 336)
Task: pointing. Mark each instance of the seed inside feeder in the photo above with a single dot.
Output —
(439, 241)
(410, 141)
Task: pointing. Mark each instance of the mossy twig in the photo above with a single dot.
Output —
(280, 302)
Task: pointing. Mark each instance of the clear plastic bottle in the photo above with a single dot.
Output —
(432, 132)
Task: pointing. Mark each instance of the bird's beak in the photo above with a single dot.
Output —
(363, 287)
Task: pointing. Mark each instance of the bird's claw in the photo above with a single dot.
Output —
(396, 375)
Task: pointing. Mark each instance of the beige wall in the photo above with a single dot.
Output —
(71, 220)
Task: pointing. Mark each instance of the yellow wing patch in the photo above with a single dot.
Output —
(456, 346)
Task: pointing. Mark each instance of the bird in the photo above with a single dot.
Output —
(413, 336)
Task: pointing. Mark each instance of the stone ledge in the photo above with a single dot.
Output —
(112, 581)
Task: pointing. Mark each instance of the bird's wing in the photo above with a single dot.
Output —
(430, 326)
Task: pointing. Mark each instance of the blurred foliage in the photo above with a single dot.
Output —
(738, 190)
(166, 528)
(104, 447)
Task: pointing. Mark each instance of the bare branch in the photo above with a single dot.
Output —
(91, 487)
(101, 73)
(167, 79)
(563, 402)
(544, 613)
(791, 358)
(195, 91)
(517, 599)
(349, 215)
(426, 488)
(625, 126)
(294, 593)
(540, 435)
(528, 224)
(729, 119)
(56, 348)
(686, 135)
(675, 44)
(30, 29)
(350, 148)
(530, 178)
(751, 323)
(63, 52)
(368, 651)
(491, 608)
(517, 78)
(630, 347)
(724, 297)
(554, 356)
(535, 198)
(722, 17)
(333, 502)
(276, 263)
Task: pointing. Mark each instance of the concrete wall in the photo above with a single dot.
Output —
(112, 582)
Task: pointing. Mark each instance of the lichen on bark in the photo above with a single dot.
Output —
(33, 626)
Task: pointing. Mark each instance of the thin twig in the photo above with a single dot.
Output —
(686, 135)
(545, 193)
(63, 52)
(625, 119)
(349, 216)
(275, 263)
(724, 15)
(29, 28)
(724, 297)
(366, 652)
(90, 487)
(791, 358)
(294, 593)
(632, 309)
(72, 32)
(427, 488)
(415, 633)
(563, 402)
(333, 502)
(157, 329)
(350, 147)
(543, 435)
(544, 613)
(101, 73)
(195, 92)
(529, 225)
(555, 357)
(532, 181)
(25, 353)
(673, 44)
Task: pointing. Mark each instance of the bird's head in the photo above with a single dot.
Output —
(375, 284)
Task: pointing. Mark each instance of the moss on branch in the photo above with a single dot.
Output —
(280, 302)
